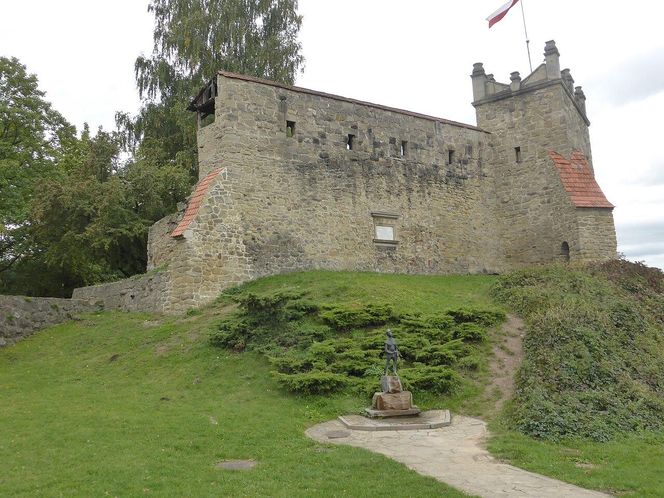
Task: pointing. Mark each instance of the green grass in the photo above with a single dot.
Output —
(121, 404)
(127, 404)
(407, 293)
(626, 466)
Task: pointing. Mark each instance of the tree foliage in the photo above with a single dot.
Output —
(31, 134)
(193, 39)
(71, 212)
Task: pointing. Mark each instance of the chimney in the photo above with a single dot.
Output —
(552, 60)
(479, 81)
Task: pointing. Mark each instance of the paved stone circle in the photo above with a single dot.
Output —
(454, 455)
(236, 464)
(432, 419)
(337, 434)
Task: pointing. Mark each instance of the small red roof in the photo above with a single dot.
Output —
(579, 181)
(195, 202)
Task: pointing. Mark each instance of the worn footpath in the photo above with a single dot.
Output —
(454, 455)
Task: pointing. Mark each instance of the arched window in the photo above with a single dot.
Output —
(564, 251)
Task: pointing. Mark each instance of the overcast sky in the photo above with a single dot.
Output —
(416, 55)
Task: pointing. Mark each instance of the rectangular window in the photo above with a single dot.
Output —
(450, 156)
(403, 149)
(290, 128)
(517, 154)
(351, 142)
(384, 232)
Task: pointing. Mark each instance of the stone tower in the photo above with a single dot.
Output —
(548, 202)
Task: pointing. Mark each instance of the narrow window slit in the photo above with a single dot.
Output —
(351, 142)
(290, 128)
(450, 156)
(564, 251)
(517, 154)
(403, 149)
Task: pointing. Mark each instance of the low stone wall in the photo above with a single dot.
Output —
(21, 316)
(146, 292)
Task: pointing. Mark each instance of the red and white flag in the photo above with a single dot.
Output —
(500, 13)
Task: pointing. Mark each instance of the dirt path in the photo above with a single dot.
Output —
(507, 356)
(454, 455)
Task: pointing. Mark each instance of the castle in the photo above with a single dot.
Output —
(294, 179)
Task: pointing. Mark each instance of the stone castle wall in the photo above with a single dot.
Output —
(306, 201)
(21, 316)
(597, 234)
(303, 201)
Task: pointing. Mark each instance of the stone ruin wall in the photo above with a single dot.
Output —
(162, 248)
(147, 292)
(21, 316)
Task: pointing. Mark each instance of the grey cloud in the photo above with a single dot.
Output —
(639, 250)
(633, 80)
(641, 232)
(652, 178)
(638, 240)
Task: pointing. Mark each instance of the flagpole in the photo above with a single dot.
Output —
(523, 15)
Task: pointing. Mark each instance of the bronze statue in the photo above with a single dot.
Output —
(391, 353)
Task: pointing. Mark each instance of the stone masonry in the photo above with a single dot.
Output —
(21, 316)
(295, 179)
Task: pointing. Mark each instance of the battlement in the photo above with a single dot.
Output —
(486, 89)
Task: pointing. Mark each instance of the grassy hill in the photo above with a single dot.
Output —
(589, 404)
(124, 404)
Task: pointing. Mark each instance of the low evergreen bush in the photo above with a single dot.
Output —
(317, 349)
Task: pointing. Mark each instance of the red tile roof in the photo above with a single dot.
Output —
(579, 181)
(195, 202)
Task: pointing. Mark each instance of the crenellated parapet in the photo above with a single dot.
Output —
(487, 89)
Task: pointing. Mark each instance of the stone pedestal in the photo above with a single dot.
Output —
(393, 401)
(390, 384)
